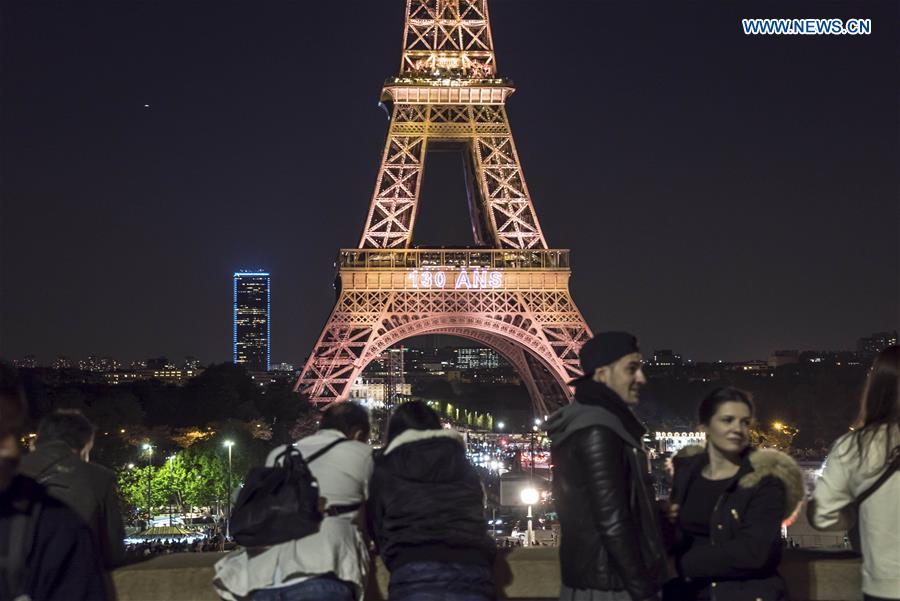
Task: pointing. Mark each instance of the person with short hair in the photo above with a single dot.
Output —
(866, 462)
(611, 548)
(728, 502)
(47, 552)
(60, 462)
(426, 512)
(331, 564)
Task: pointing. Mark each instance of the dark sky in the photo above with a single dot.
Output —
(723, 195)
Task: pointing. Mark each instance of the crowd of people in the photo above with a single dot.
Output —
(418, 503)
(160, 546)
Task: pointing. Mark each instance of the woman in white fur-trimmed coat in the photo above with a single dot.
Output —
(426, 512)
(728, 503)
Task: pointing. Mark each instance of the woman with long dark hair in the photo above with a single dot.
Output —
(728, 502)
(425, 511)
(860, 485)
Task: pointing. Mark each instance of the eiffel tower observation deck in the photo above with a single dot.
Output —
(508, 291)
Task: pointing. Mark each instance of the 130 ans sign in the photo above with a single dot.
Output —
(475, 278)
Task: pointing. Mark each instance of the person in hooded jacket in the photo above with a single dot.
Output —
(728, 502)
(61, 463)
(425, 512)
(611, 548)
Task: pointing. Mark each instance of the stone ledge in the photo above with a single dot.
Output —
(522, 573)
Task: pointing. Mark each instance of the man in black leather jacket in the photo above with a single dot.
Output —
(611, 546)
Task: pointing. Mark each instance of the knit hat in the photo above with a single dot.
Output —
(604, 348)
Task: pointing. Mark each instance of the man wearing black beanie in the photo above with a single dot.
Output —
(611, 547)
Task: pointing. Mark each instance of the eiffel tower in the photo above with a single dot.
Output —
(509, 291)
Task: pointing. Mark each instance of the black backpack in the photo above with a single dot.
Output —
(279, 503)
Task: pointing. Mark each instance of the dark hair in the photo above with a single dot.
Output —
(346, 417)
(412, 415)
(879, 405)
(724, 394)
(66, 425)
(13, 408)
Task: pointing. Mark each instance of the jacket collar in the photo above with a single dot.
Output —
(589, 392)
(51, 453)
(410, 436)
(756, 464)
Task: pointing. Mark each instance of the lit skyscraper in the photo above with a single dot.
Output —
(252, 319)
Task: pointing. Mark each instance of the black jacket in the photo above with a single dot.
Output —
(61, 563)
(426, 502)
(741, 561)
(89, 489)
(610, 538)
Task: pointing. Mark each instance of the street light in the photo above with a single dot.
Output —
(500, 426)
(228, 444)
(170, 458)
(148, 448)
(529, 497)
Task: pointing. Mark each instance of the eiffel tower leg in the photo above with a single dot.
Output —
(335, 361)
(393, 207)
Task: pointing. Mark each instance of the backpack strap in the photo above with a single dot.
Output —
(291, 451)
(889, 471)
(325, 449)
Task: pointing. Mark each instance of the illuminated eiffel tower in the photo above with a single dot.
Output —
(508, 292)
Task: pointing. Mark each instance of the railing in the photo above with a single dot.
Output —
(521, 574)
(419, 258)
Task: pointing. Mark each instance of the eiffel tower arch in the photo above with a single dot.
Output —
(509, 291)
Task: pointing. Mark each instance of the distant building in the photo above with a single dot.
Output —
(178, 377)
(877, 342)
(283, 367)
(477, 358)
(756, 368)
(666, 358)
(672, 442)
(98, 364)
(373, 394)
(62, 362)
(28, 362)
(252, 320)
(781, 358)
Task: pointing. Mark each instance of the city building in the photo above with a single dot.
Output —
(877, 342)
(177, 377)
(477, 358)
(373, 394)
(62, 362)
(252, 320)
(782, 358)
(666, 358)
(26, 362)
(99, 364)
(672, 442)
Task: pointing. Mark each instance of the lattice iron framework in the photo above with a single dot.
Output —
(513, 295)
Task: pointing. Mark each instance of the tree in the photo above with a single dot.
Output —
(133, 488)
(281, 407)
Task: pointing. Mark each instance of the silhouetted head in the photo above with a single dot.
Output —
(880, 399)
(349, 418)
(68, 426)
(413, 415)
(880, 406)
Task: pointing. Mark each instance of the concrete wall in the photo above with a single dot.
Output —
(522, 574)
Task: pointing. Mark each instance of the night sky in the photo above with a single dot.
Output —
(723, 195)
